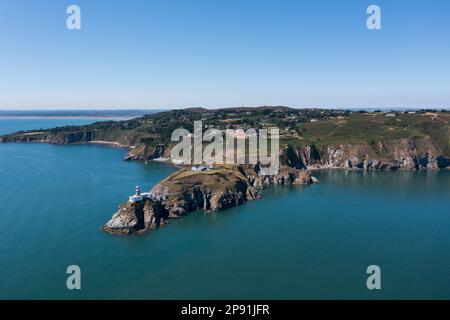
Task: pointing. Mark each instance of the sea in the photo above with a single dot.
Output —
(313, 242)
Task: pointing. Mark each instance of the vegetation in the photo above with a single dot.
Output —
(372, 128)
(297, 126)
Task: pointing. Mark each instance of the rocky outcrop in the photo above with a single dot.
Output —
(145, 152)
(186, 191)
(403, 154)
(284, 176)
(289, 156)
(136, 217)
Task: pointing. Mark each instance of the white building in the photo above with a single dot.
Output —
(198, 168)
(137, 196)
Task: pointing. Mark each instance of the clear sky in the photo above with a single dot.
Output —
(218, 53)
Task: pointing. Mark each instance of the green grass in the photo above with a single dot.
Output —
(374, 128)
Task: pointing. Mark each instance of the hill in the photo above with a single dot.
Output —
(316, 137)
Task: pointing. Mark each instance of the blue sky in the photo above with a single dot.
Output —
(217, 53)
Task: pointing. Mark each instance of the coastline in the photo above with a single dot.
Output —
(167, 161)
(64, 117)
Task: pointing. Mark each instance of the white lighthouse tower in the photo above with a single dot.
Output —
(137, 195)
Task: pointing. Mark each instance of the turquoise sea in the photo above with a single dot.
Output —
(295, 243)
(9, 125)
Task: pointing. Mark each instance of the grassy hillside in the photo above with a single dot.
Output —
(371, 128)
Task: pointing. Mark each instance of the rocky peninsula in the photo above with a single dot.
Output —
(185, 191)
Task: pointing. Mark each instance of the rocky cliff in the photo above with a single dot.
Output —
(402, 154)
(136, 217)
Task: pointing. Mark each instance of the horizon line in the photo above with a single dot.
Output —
(16, 109)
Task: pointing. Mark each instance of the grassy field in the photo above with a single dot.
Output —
(375, 127)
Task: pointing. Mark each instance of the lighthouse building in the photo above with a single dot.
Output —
(137, 195)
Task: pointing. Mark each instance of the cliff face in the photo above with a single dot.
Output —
(403, 154)
(186, 191)
(70, 136)
(145, 152)
(136, 217)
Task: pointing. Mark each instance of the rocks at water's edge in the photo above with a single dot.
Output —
(136, 216)
(404, 154)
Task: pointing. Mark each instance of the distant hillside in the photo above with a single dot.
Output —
(76, 113)
(322, 137)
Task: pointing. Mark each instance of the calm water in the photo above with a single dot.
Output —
(13, 125)
(296, 243)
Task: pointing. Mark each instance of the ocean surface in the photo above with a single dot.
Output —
(295, 243)
(9, 125)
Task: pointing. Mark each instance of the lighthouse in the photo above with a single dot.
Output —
(137, 195)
